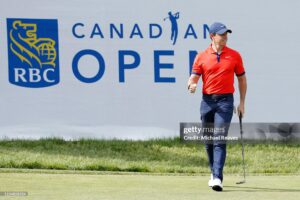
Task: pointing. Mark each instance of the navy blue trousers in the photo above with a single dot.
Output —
(216, 112)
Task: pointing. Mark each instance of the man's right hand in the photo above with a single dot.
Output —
(192, 83)
(192, 87)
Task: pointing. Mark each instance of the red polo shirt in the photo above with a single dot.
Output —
(218, 70)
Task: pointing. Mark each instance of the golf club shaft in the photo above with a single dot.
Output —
(242, 140)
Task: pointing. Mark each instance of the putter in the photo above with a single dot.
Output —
(242, 141)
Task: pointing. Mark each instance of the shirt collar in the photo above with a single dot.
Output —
(211, 51)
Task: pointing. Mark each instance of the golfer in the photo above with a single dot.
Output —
(217, 66)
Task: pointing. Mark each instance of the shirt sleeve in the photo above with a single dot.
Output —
(239, 67)
(197, 66)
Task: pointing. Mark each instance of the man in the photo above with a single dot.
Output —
(217, 66)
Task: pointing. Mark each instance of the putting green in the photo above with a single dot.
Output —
(144, 187)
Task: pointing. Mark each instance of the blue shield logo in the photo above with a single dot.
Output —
(33, 58)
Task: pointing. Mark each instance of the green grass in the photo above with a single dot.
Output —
(154, 156)
(145, 187)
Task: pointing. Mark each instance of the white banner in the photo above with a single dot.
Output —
(119, 69)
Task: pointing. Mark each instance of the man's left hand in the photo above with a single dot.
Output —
(241, 110)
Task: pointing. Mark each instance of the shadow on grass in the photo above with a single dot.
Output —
(257, 189)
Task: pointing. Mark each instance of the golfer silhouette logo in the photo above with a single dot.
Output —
(174, 27)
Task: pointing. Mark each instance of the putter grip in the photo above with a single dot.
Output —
(240, 117)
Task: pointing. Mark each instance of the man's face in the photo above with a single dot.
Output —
(220, 39)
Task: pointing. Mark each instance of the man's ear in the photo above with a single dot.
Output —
(211, 35)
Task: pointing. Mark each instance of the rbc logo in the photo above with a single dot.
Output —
(33, 52)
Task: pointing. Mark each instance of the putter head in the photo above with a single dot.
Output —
(241, 182)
